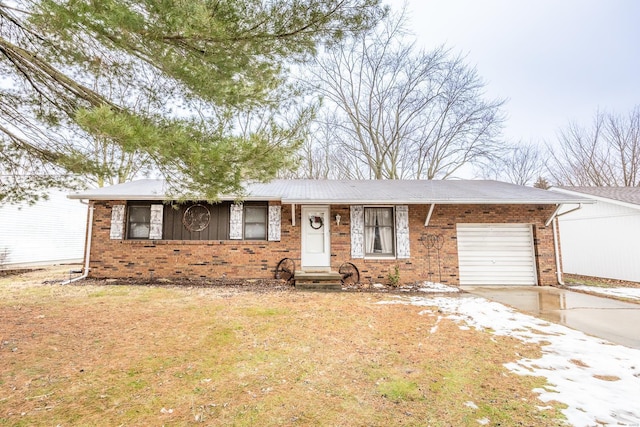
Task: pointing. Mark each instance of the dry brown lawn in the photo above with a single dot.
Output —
(96, 354)
(575, 279)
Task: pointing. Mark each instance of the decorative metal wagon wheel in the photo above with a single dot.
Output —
(350, 273)
(196, 218)
(286, 270)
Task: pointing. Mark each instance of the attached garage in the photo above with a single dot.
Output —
(496, 254)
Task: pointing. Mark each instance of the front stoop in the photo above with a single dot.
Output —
(318, 281)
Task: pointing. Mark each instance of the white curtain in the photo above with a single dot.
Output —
(378, 230)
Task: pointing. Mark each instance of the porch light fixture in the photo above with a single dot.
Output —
(338, 219)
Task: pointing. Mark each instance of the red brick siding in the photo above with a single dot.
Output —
(257, 259)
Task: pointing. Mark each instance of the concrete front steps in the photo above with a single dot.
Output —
(318, 280)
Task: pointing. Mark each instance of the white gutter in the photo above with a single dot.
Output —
(555, 244)
(416, 201)
(87, 251)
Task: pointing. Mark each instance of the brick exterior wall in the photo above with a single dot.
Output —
(258, 259)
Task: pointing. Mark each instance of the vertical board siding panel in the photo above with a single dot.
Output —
(223, 221)
(403, 250)
(155, 226)
(212, 228)
(117, 222)
(167, 223)
(178, 228)
(176, 216)
(357, 231)
(235, 221)
(275, 215)
(218, 228)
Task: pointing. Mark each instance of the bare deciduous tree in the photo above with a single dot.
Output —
(395, 111)
(605, 154)
(520, 164)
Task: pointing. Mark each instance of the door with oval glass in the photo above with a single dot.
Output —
(316, 249)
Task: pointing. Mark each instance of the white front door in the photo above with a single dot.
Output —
(316, 249)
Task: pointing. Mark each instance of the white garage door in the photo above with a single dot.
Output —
(496, 254)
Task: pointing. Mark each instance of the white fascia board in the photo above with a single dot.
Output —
(103, 197)
(598, 198)
(431, 201)
(163, 198)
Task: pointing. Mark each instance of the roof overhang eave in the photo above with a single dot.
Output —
(429, 202)
(103, 198)
(598, 198)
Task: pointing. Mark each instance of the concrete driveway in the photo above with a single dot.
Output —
(613, 320)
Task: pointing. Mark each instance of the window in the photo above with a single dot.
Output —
(255, 222)
(378, 231)
(139, 221)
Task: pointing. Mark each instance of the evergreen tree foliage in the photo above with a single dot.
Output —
(198, 88)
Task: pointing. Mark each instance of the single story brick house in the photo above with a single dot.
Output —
(457, 232)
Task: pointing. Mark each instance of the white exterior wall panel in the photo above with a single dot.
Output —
(601, 240)
(48, 232)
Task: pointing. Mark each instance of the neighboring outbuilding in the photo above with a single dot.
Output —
(602, 239)
(453, 232)
(50, 231)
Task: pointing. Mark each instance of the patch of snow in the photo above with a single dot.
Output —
(436, 287)
(434, 328)
(631, 293)
(471, 405)
(483, 421)
(597, 380)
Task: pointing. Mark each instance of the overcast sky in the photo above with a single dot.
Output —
(553, 60)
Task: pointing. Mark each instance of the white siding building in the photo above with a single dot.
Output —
(49, 232)
(602, 239)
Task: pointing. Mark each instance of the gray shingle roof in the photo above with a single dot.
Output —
(621, 194)
(357, 191)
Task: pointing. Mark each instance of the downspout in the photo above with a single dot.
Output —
(87, 251)
(556, 214)
(556, 247)
(553, 219)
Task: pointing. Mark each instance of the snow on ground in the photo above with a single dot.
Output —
(597, 380)
(435, 287)
(631, 293)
